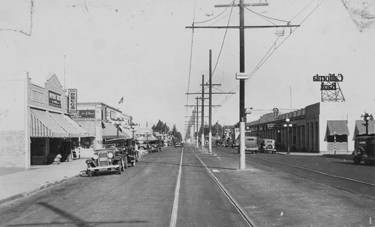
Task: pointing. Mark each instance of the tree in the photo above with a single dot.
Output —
(160, 127)
(217, 129)
(176, 134)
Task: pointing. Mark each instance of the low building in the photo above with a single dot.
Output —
(102, 122)
(35, 124)
(324, 127)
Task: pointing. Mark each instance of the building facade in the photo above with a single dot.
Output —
(35, 124)
(102, 122)
(324, 127)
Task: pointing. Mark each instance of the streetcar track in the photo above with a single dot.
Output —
(231, 199)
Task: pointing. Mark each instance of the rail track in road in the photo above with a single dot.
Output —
(369, 185)
(231, 199)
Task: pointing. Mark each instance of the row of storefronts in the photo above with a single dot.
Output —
(102, 122)
(39, 122)
(327, 128)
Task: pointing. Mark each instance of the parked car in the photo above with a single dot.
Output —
(105, 160)
(364, 149)
(251, 143)
(178, 144)
(267, 146)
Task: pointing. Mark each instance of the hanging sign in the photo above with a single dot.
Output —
(72, 94)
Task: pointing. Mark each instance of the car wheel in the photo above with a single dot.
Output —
(89, 173)
(356, 160)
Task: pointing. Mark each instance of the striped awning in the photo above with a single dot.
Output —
(54, 125)
(81, 131)
(360, 128)
(42, 125)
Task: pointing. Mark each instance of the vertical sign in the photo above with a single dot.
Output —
(72, 94)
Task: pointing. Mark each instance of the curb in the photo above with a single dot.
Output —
(41, 188)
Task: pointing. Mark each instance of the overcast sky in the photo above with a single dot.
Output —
(140, 50)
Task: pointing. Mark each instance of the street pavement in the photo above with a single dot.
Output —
(142, 196)
(283, 190)
(208, 190)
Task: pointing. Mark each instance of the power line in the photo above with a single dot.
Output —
(303, 9)
(266, 17)
(213, 18)
(223, 41)
(191, 57)
(275, 46)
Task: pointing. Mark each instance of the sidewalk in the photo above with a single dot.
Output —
(22, 183)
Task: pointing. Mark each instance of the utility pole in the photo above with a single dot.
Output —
(210, 103)
(197, 119)
(242, 88)
(202, 114)
(242, 77)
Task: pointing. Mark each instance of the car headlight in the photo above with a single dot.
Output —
(110, 155)
(95, 156)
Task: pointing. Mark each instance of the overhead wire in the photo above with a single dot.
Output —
(266, 17)
(223, 41)
(274, 45)
(213, 18)
(190, 60)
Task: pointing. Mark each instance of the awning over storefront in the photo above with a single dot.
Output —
(339, 127)
(81, 131)
(360, 128)
(336, 127)
(63, 123)
(146, 138)
(89, 127)
(110, 131)
(54, 125)
(42, 125)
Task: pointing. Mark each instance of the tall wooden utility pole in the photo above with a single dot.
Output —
(202, 114)
(241, 27)
(197, 119)
(210, 103)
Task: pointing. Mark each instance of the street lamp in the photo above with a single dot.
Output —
(287, 125)
(367, 117)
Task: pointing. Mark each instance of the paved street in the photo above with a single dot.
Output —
(142, 196)
(275, 190)
(281, 190)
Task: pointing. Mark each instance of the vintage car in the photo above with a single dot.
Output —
(267, 146)
(105, 160)
(364, 149)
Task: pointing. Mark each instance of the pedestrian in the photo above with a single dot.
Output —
(57, 159)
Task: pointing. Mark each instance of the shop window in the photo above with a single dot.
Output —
(339, 138)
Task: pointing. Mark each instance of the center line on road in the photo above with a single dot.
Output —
(176, 194)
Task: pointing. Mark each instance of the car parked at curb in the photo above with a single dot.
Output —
(105, 160)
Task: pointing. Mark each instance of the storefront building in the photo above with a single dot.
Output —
(36, 125)
(324, 127)
(102, 122)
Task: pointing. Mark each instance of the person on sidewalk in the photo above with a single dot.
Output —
(57, 159)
